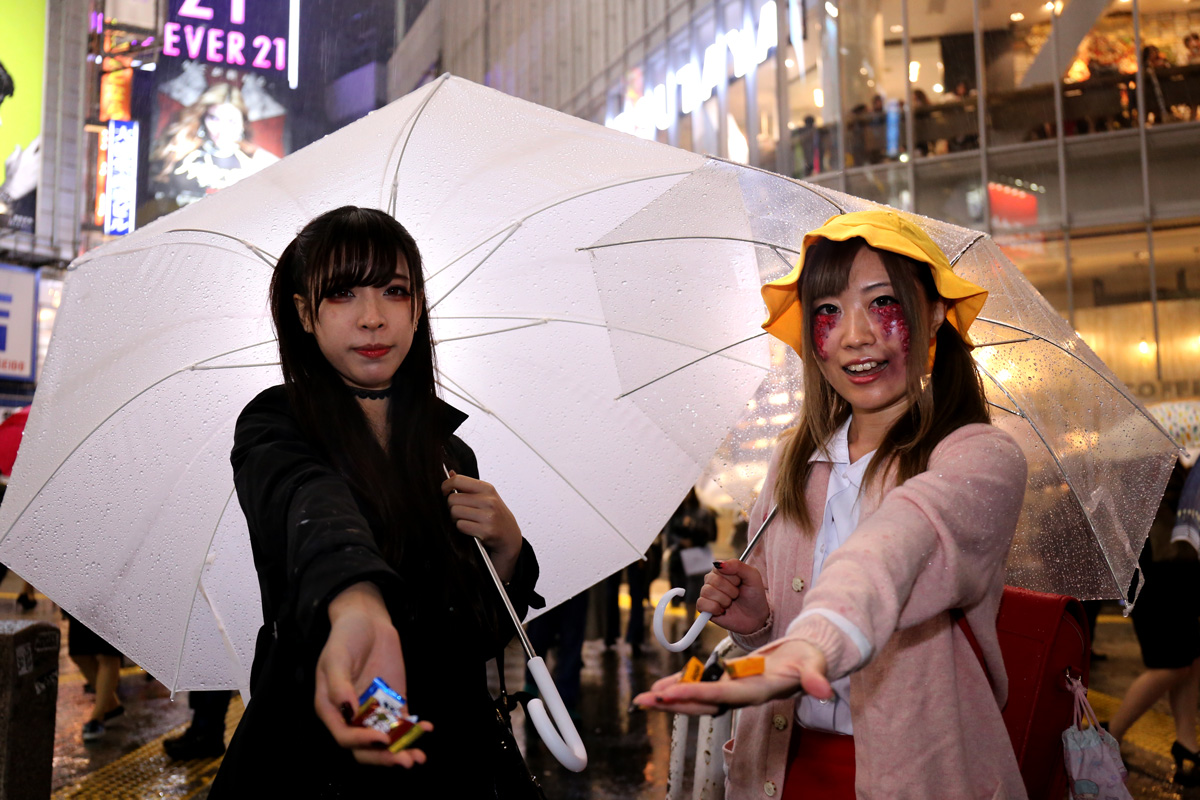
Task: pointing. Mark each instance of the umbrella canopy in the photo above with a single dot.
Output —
(122, 507)
(1098, 462)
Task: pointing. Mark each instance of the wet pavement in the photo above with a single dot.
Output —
(628, 751)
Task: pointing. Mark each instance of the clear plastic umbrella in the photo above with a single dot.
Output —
(1098, 462)
(122, 508)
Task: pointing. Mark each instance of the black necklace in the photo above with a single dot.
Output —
(372, 394)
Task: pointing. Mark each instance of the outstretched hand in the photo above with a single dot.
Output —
(790, 667)
(362, 646)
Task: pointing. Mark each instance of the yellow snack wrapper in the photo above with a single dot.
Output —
(693, 671)
(745, 667)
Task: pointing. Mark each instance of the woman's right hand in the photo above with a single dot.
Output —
(736, 597)
(362, 645)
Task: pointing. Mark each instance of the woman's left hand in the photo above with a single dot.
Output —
(791, 667)
(478, 511)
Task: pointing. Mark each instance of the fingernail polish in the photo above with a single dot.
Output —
(347, 712)
(717, 564)
(634, 708)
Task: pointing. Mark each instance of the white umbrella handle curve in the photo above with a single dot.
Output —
(563, 740)
(693, 633)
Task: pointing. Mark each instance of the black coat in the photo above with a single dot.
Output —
(281, 746)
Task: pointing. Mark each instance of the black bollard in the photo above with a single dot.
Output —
(28, 693)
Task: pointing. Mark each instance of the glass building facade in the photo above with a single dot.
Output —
(1068, 130)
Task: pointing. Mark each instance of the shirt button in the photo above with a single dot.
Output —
(779, 721)
(823, 702)
(797, 584)
(769, 788)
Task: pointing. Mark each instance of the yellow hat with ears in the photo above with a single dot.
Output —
(885, 230)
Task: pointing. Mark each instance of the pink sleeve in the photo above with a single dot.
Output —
(935, 543)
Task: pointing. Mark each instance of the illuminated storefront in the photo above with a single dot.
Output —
(1035, 121)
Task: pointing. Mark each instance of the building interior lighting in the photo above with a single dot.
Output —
(831, 9)
(818, 98)
(938, 88)
(1016, 16)
(1144, 347)
(1048, 6)
(914, 71)
(897, 29)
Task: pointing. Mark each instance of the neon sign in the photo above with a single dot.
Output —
(689, 86)
(121, 184)
(225, 40)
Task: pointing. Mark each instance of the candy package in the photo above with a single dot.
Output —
(385, 710)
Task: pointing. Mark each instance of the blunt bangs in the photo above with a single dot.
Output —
(365, 251)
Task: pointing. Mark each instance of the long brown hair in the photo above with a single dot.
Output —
(952, 395)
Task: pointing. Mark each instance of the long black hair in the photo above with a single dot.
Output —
(339, 250)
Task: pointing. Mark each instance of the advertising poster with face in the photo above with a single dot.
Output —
(222, 96)
(22, 59)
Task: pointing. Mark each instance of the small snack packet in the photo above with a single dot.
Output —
(693, 671)
(385, 710)
(745, 667)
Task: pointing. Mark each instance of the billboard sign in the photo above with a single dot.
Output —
(18, 321)
(22, 62)
(120, 193)
(224, 87)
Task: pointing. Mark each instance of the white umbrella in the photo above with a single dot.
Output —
(121, 507)
(1098, 462)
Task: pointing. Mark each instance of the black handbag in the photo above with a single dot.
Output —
(514, 781)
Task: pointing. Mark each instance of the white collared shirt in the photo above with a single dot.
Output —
(842, 508)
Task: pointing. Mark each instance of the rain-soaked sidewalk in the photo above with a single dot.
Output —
(628, 753)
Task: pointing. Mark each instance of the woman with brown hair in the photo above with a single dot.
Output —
(897, 505)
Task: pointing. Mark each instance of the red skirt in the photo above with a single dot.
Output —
(820, 765)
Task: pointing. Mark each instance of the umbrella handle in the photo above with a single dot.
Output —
(661, 609)
(566, 746)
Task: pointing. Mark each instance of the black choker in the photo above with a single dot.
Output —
(372, 394)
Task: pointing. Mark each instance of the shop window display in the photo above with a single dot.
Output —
(1019, 59)
(814, 100)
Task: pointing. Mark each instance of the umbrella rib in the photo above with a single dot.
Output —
(104, 421)
(1005, 341)
(195, 591)
(441, 81)
(1121, 390)
(1066, 478)
(556, 203)
(812, 187)
(1006, 409)
(466, 396)
(690, 363)
(689, 239)
(510, 231)
(266, 257)
(963, 252)
(568, 321)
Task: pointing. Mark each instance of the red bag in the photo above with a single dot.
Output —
(1043, 637)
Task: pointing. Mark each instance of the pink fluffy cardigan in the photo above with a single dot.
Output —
(926, 722)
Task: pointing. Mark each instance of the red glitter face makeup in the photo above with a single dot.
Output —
(892, 322)
(822, 325)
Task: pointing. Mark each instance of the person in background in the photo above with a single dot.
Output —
(691, 526)
(1166, 620)
(205, 736)
(100, 664)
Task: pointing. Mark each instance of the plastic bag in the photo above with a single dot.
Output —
(1094, 767)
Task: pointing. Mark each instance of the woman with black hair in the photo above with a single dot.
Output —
(357, 535)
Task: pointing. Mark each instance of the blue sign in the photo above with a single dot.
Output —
(121, 188)
(18, 322)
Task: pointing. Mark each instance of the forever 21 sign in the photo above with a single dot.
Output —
(232, 44)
